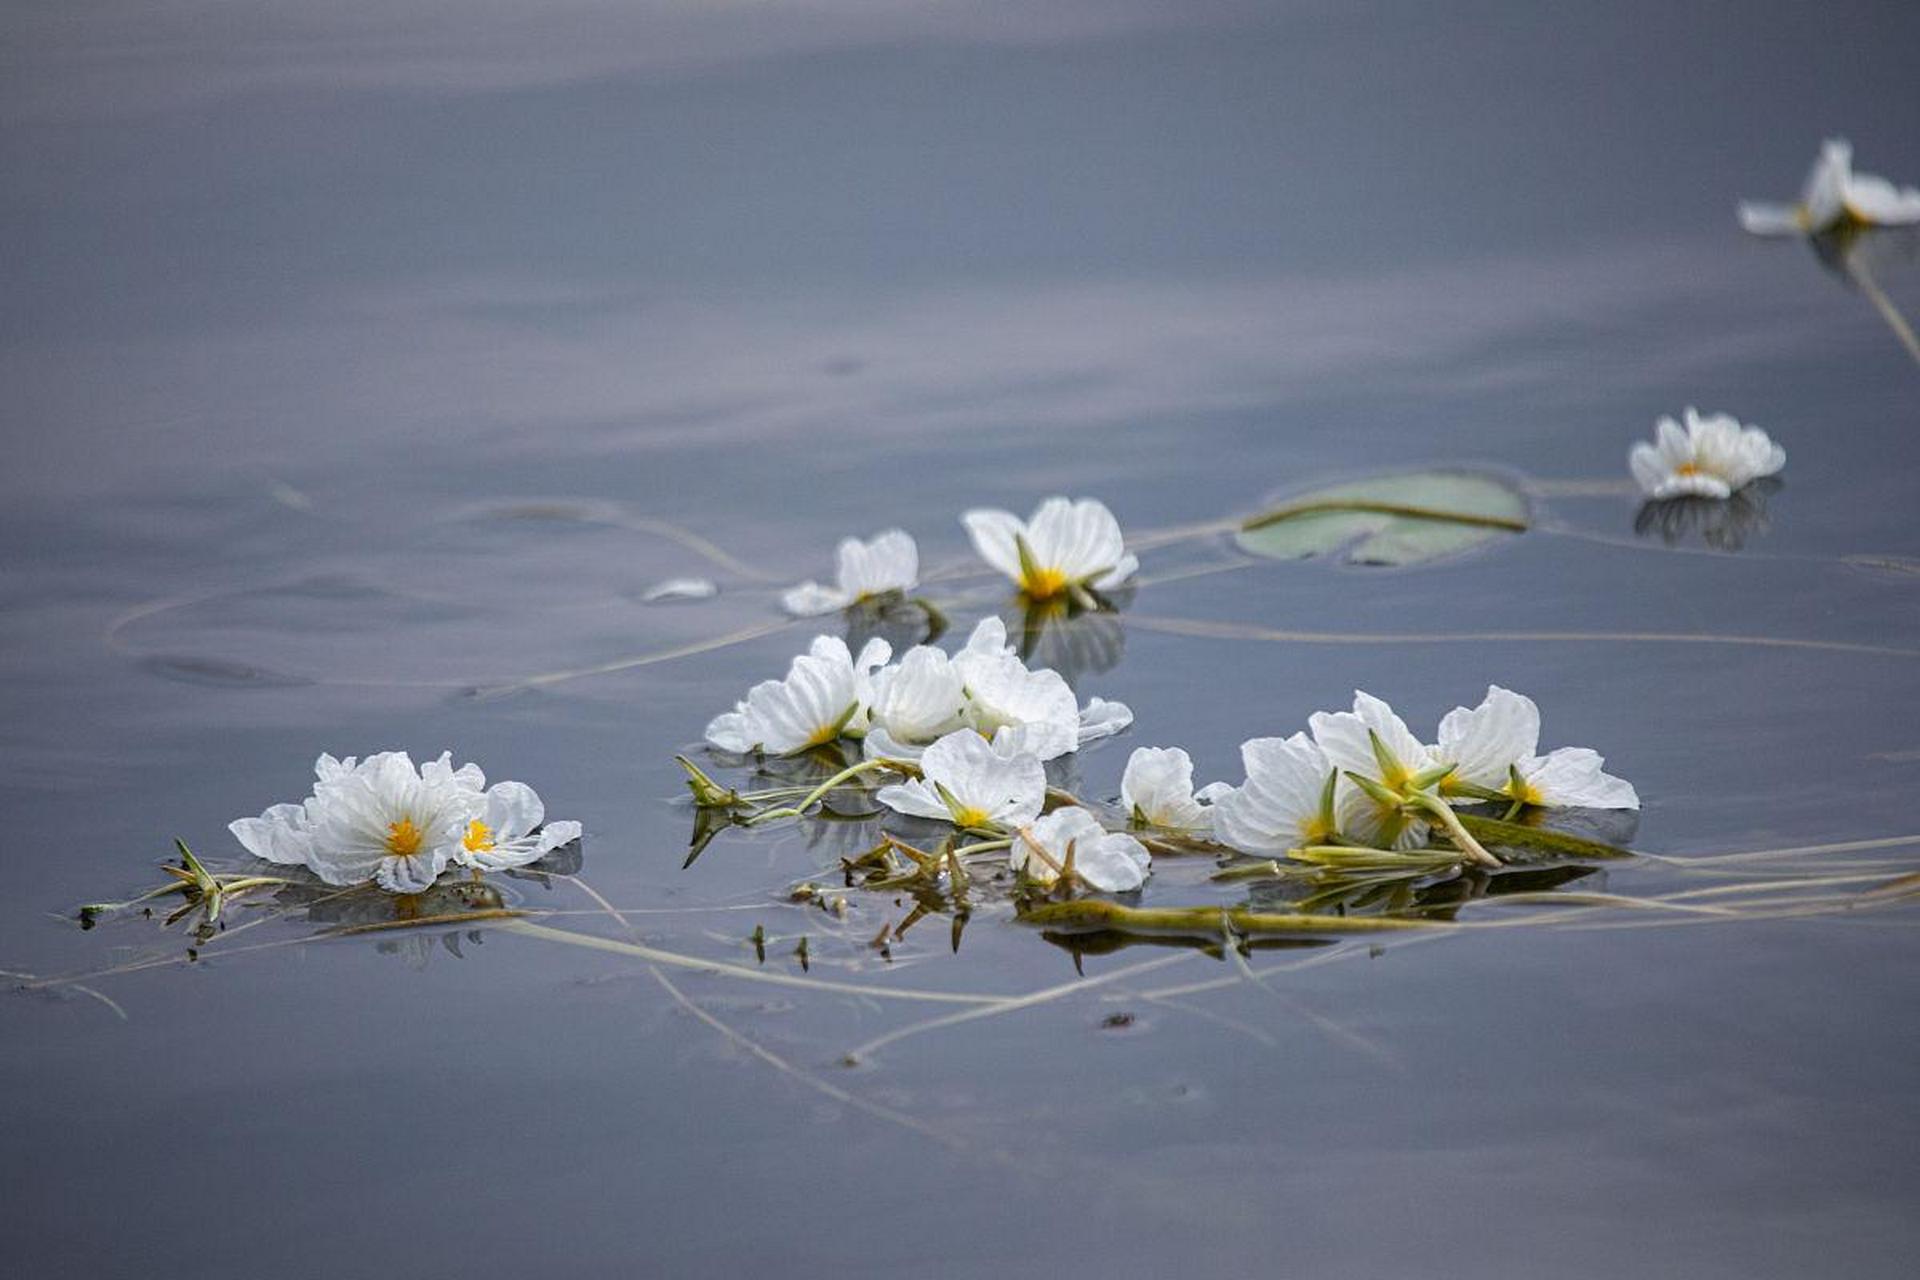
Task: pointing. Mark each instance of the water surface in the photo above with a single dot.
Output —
(362, 365)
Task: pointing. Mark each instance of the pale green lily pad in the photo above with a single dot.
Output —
(1402, 519)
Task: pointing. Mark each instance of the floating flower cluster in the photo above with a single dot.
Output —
(1070, 547)
(382, 819)
(904, 709)
(1362, 776)
(1712, 457)
(1357, 783)
(1835, 196)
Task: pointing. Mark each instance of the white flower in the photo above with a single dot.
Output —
(1282, 805)
(824, 694)
(1038, 707)
(1483, 744)
(386, 821)
(971, 782)
(503, 835)
(1834, 194)
(1711, 458)
(1348, 738)
(284, 833)
(1571, 778)
(1065, 544)
(915, 702)
(888, 562)
(1495, 742)
(1157, 790)
(681, 589)
(1109, 861)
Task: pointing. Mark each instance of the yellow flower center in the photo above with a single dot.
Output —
(403, 838)
(1043, 584)
(1527, 793)
(1689, 469)
(966, 817)
(479, 837)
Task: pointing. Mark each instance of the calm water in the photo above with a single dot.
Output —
(354, 360)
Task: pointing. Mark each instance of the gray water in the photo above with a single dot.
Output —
(360, 364)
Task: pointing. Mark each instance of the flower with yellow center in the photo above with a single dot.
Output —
(512, 830)
(973, 783)
(382, 819)
(1066, 545)
(1288, 800)
(824, 694)
(888, 563)
(1712, 457)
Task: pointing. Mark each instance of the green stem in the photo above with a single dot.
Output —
(1278, 514)
(1094, 913)
(845, 775)
(1443, 813)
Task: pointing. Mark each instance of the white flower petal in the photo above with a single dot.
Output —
(1111, 862)
(1483, 743)
(1770, 219)
(681, 589)
(889, 562)
(1157, 787)
(1572, 777)
(992, 533)
(280, 835)
(1278, 808)
(915, 799)
(811, 600)
(1102, 718)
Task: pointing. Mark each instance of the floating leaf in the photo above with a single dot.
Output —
(1390, 520)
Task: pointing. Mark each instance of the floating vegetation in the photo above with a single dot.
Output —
(399, 826)
(1395, 520)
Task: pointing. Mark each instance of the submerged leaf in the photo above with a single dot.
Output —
(1390, 520)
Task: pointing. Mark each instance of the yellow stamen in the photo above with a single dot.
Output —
(1043, 584)
(1688, 469)
(1527, 794)
(403, 838)
(970, 818)
(479, 837)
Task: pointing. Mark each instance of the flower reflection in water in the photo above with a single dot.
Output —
(1724, 524)
(1071, 639)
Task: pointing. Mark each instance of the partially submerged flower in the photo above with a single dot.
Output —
(384, 820)
(917, 701)
(1570, 778)
(1494, 747)
(1157, 791)
(387, 821)
(1835, 196)
(1065, 545)
(972, 783)
(888, 562)
(1287, 801)
(1372, 745)
(1485, 742)
(1072, 840)
(823, 695)
(511, 830)
(1712, 457)
(1037, 706)
(1002, 693)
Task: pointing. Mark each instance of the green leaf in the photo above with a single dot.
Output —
(1401, 519)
